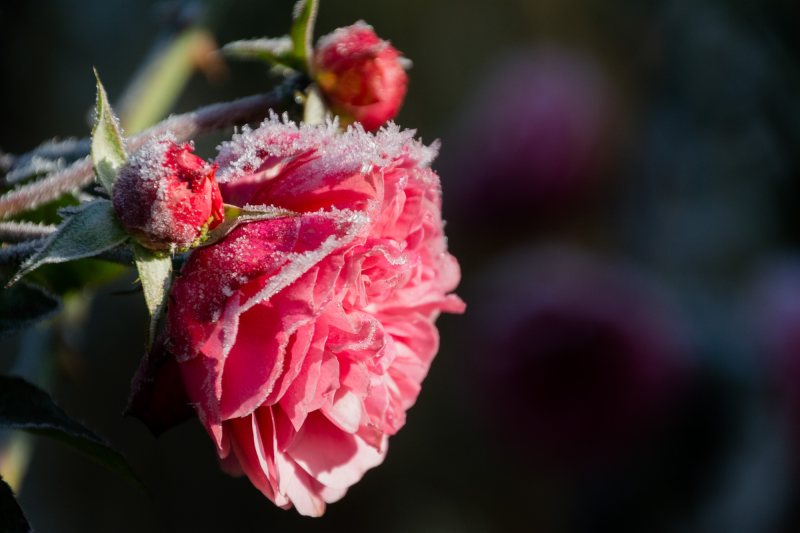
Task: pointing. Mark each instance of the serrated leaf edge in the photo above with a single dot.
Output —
(106, 124)
(30, 264)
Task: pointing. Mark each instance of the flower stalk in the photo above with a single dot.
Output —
(184, 127)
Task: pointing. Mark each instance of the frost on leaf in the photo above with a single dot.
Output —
(276, 51)
(86, 232)
(108, 147)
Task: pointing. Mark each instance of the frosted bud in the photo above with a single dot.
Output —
(361, 75)
(167, 197)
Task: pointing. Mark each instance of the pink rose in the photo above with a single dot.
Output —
(303, 340)
(361, 75)
(167, 197)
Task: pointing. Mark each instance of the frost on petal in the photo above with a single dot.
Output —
(263, 165)
(303, 340)
(253, 264)
(165, 195)
(256, 260)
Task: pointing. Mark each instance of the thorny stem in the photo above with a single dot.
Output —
(48, 157)
(23, 231)
(57, 148)
(184, 127)
(17, 253)
(36, 166)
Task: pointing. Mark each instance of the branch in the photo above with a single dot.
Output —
(23, 231)
(17, 253)
(50, 156)
(36, 166)
(70, 148)
(184, 127)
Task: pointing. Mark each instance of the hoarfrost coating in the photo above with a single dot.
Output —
(302, 340)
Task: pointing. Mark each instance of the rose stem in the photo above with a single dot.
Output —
(184, 127)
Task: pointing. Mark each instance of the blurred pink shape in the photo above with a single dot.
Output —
(577, 358)
(535, 135)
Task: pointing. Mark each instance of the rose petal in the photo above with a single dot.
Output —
(331, 456)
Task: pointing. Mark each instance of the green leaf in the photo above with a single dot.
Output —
(75, 276)
(277, 52)
(160, 81)
(155, 274)
(241, 215)
(27, 407)
(87, 231)
(302, 32)
(12, 519)
(24, 304)
(108, 148)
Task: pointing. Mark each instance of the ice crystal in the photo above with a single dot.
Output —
(334, 152)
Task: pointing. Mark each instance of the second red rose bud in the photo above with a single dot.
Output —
(167, 197)
(362, 76)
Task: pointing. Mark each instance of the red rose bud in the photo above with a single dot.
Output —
(361, 75)
(167, 197)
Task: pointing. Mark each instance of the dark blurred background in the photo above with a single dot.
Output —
(621, 182)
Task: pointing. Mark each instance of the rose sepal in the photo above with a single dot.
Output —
(235, 215)
(286, 54)
(108, 145)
